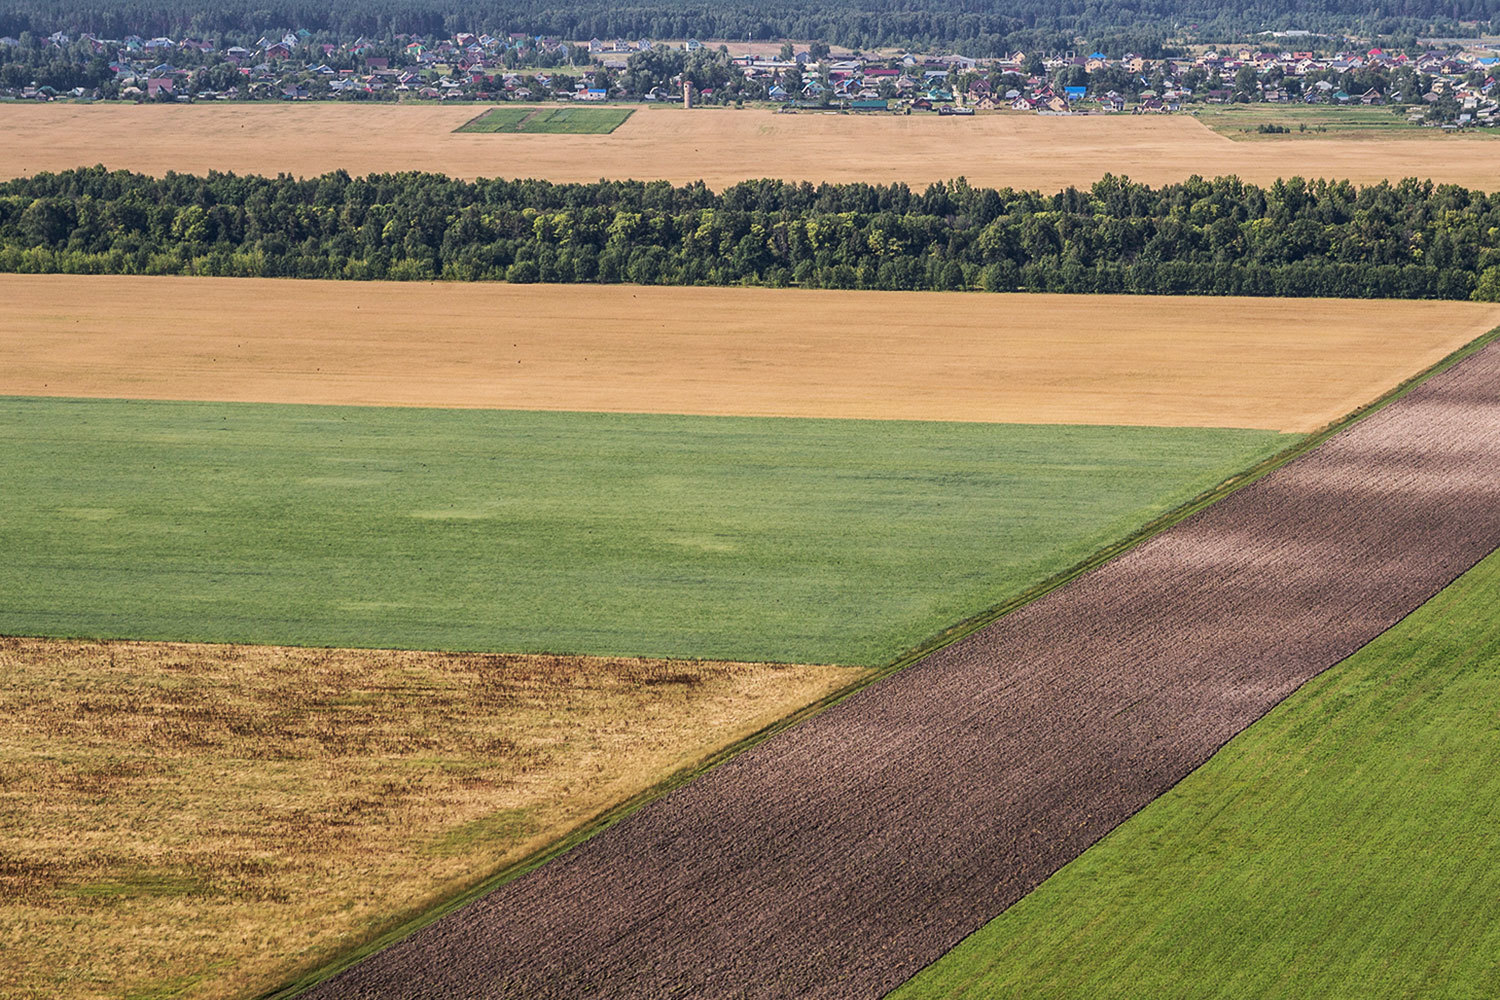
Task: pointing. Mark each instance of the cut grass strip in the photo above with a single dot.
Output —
(733, 538)
(1343, 845)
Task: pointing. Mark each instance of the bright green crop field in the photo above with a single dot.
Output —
(568, 120)
(1313, 121)
(741, 538)
(1343, 846)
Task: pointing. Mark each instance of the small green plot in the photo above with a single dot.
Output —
(558, 121)
(1284, 122)
(498, 120)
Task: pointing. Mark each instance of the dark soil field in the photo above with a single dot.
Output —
(842, 856)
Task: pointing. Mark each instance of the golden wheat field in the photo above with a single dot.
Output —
(207, 821)
(718, 146)
(1278, 364)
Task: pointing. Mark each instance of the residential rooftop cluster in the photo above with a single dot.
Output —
(1452, 86)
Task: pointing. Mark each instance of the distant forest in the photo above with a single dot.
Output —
(975, 28)
(1413, 239)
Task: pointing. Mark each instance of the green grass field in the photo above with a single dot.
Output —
(569, 121)
(1311, 121)
(1343, 846)
(498, 120)
(738, 538)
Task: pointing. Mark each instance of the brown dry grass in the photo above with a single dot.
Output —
(1280, 364)
(209, 819)
(719, 146)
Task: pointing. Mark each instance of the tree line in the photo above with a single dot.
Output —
(978, 29)
(1412, 239)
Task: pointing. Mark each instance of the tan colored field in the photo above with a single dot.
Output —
(1280, 364)
(717, 146)
(205, 821)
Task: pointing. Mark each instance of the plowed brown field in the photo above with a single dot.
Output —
(719, 147)
(1209, 362)
(840, 857)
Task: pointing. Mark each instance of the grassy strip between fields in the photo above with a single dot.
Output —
(401, 928)
(548, 121)
(1342, 846)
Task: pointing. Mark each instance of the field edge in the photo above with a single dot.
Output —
(404, 925)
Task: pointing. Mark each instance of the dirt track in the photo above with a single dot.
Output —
(1092, 359)
(719, 147)
(844, 855)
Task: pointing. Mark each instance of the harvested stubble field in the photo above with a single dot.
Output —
(844, 855)
(1082, 359)
(1342, 846)
(717, 146)
(207, 821)
(806, 541)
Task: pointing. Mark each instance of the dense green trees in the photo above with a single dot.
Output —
(982, 28)
(1413, 239)
(706, 69)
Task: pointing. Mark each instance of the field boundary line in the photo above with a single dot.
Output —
(406, 924)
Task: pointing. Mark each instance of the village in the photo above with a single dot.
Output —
(1450, 87)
